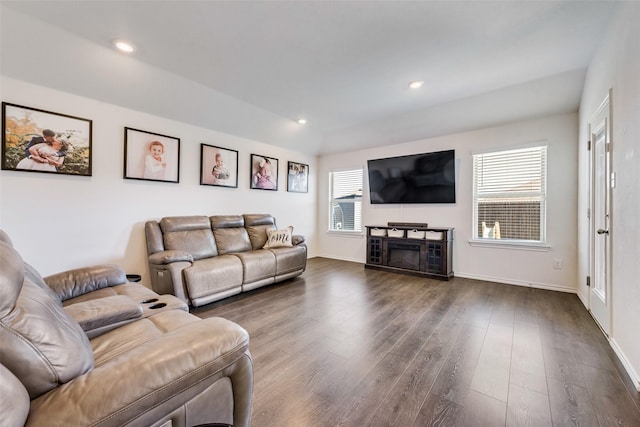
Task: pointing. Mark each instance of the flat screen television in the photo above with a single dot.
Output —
(417, 178)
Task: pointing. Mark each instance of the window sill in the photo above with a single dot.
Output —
(352, 234)
(503, 244)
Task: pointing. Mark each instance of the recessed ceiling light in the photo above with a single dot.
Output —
(416, 84)
(301, 121)
(124, 46)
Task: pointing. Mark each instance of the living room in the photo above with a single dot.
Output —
(60, 222)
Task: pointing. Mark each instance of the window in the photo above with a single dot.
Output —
(509, 195)
(345, 200)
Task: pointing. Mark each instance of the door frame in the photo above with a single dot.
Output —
(606, 109)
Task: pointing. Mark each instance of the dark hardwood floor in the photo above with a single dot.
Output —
(345, 346)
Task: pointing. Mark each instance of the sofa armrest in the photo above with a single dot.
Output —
(167, 257)
(297, 239)
(80, 281)
(100, 313)
(160, 375)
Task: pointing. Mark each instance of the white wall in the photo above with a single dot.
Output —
(616, 65)
(522, 267)
(52, 57)
(60, 221)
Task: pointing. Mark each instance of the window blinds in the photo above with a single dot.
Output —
(345, 200)
(510, 194)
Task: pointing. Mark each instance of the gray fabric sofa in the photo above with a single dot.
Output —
(202, 259)
(86, 347)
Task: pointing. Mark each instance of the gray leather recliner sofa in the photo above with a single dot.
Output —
(202, 259)
(86, 347)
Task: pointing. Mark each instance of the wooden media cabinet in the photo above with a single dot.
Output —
(411, 248)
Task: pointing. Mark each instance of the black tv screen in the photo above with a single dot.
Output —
(417, 178)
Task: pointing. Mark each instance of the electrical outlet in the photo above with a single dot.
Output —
(557, 263)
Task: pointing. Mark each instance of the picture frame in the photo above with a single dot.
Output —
(151, 156)
(35, 140)
(264, 173)
(297, 177)
(218, 166)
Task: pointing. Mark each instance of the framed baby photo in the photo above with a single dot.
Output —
(218, 166)
(36, 140)
(298, 177)
(151, 156)
(264, 172)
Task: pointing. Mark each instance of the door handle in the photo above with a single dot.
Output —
(601, 231)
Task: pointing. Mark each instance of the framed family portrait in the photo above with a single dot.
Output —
(298, 177)
(36, 140)
(218, 166)
(264, 172)
(151, 156)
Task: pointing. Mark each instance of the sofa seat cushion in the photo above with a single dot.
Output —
(132, 335)
(259, 264)
(290, 259)
(144, 365)
(213, 275)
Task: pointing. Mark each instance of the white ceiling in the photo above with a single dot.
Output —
(344, 65)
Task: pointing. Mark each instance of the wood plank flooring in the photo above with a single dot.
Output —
(345, 346)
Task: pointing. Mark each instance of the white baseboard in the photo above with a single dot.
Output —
(625, 362)
(583, 299)
(635, 378)
(567, 289)
(359, 261)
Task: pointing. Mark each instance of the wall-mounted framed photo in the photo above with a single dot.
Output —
(151, 156)
(298, 177)
(264, 172)
(218, 166)
(36, 140)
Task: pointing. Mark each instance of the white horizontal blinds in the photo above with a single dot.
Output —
(510, 194)
(345, 205)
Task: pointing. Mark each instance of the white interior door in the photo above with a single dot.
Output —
(600, 291)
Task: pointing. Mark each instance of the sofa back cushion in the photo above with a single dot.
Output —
(153, 234)
(230, 233)
(41, 345)
(257, 226)
(14, 405)
(190, 234)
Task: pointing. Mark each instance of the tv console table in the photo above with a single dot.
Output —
(411, 248)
